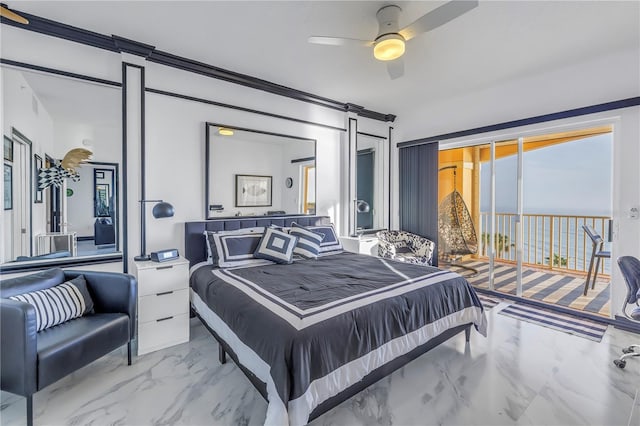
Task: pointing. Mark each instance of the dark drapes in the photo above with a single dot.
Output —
(419, 191)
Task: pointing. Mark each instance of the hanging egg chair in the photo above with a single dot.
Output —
(456, 233)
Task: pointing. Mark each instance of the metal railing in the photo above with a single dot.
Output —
(549, 241)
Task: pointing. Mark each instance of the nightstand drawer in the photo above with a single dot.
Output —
(163, 304)
(162, 333)
(162, 278)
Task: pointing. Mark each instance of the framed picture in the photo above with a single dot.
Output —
(99, 174)
(253, 191)
(8, 187)
(37, 165)
(8, 149)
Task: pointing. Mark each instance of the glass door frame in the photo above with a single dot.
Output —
(489, 138)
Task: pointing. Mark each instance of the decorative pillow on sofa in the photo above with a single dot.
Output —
(330, 243)
(308, 245)
(58, 304)
(233, 248)
(276, 246)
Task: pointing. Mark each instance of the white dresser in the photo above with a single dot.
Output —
(363, 245)
(163, 304)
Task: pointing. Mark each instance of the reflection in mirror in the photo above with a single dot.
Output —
(251, 172)
(370, 175)
(45, 116)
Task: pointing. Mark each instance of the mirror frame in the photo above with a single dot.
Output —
(117, 256)
(208, 166)
(353, 184)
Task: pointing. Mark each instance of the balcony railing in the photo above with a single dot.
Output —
(549, 241)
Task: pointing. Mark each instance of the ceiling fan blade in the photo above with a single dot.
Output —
(6, 13)
(395, 68)
(437, 17)
(339, 41)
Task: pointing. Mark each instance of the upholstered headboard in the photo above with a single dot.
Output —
(195, 249)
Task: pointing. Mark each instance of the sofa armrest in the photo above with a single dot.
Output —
(111, 292)
(386, 249)
(423, 247)
(18, 351)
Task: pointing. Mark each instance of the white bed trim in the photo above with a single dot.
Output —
(340, 379)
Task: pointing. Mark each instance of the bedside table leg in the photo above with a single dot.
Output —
(222, 356)
(129, 353)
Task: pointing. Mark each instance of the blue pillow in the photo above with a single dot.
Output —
(276, 246)
(330, 243)
(308, 245)
(234, 250)
(223, 253)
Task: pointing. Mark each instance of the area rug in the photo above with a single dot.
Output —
(567, 323)
(488, 302)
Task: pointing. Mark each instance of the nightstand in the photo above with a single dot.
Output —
(163, 304)
(363, 245)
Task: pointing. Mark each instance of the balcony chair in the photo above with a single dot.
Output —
(30, 360)
(597, 253)
(630, 268)
(405, 247)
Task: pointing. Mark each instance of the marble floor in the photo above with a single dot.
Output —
(521, 374)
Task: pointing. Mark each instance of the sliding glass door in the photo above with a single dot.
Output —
(529, 199)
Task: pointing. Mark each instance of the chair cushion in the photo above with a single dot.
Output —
(60, 303)
(411, 258)
(76, 343)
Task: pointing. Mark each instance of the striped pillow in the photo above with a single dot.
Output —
(59, 304)
(330, 243)
(276, 246)
(308, 245)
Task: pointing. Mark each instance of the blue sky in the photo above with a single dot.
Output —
(572, 178)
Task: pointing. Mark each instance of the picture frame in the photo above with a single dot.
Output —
(99, 174)
(37, 165)
(101, 200)
(8, 149)
(8, 186)
(254, 191)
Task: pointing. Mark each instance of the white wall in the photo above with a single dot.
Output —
(18, 113)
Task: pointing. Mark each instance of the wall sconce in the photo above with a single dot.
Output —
(362, 206)
(160, 210)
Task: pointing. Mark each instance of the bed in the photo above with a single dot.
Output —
(313, 333)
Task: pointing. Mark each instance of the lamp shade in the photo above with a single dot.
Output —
(163, 209)
(389, 47)
(362, 206)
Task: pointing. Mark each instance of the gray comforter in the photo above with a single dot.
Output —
(313, 328)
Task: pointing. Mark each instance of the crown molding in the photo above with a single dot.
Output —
(119, 44)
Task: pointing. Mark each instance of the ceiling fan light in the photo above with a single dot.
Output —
(389, 47)
(225, 131)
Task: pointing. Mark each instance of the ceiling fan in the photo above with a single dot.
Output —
(6, 13)
(389, 44)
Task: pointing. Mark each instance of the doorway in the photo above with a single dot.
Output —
(529, 198)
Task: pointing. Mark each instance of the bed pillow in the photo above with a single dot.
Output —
(59, 304)
(212, 249)
(330, 243)
(235, 248)
(308, 245)
(276, 246)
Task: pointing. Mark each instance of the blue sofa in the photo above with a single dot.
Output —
(31, 360)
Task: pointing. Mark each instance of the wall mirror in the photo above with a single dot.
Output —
(44, 117)
(370, 204)
(251, 172)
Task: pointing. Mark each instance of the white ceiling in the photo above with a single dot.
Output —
(495, 42)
